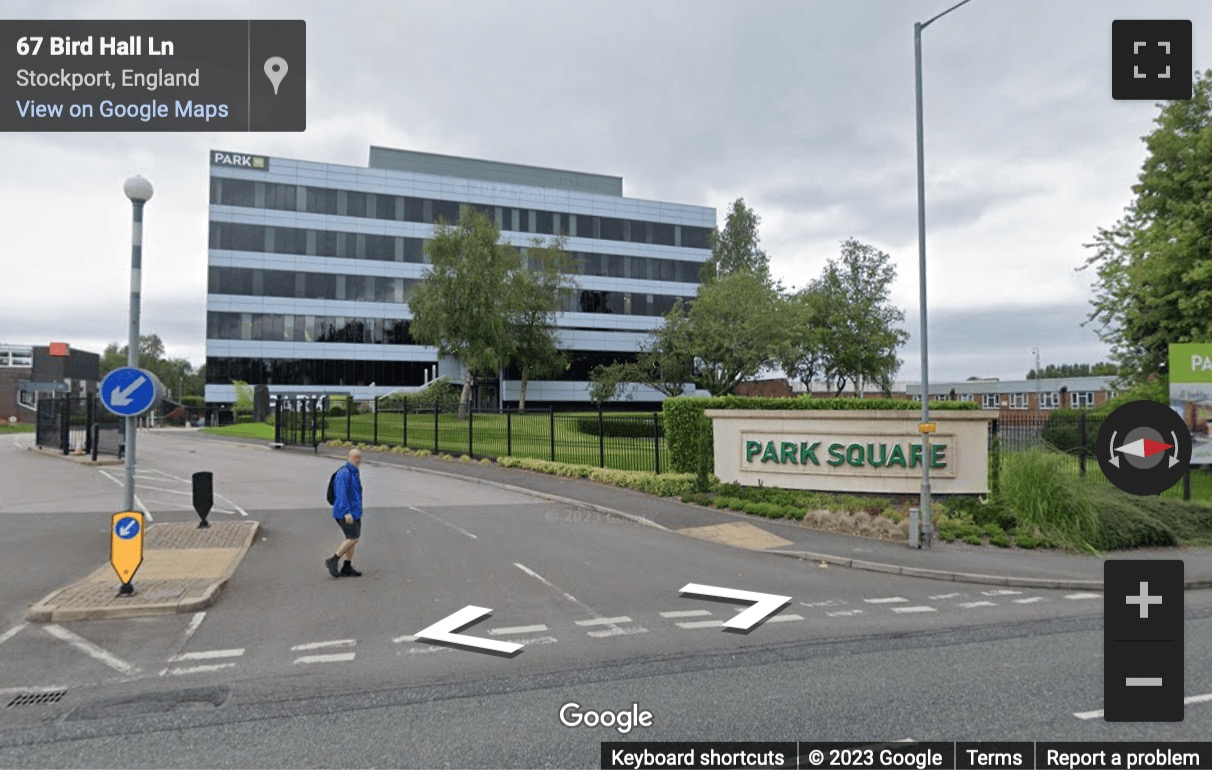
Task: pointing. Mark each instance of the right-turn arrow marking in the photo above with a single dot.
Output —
(445, 631)
(764, 605)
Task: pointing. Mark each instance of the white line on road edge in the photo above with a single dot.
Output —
(1001, 592)
(828, 603)
(887, 600)
(322, 645)
(1029, 600)
(914, 609)
(844, 613)
(971, 605)
(199, 669)
(455, 527)
(1187, 701)
(121, 483)
(701, 624)
(208, 655)
(194, 622)
(233, 505)
(783, 618)
(517, 630)
(9, 634)
(405, 638)
(339, 657)
(602, 621)
(685, 613)
(947, 596)
(1083, 596)
(91, 650)
(617, 631)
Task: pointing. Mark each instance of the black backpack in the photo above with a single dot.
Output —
(332, 492)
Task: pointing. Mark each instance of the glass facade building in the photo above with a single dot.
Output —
(311, 265)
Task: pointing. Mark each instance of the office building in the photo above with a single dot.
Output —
(311, 264)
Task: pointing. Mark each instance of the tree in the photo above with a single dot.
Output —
(1153, 268)
(1101, 369)
(805, 357)
(608, 381)
(734, 248)
(463, 306)
(664, 363)
(176, 374)
(244, 398)
(861, 334)
(538, 290)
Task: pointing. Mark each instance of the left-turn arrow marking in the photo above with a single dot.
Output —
(445, 631)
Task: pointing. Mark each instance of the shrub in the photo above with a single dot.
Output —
(684, 417)
(1000, 539)
(619, 426)
(194, 401)
(1064, 431)
(1046, 498)
(440, 393)
(664, 485)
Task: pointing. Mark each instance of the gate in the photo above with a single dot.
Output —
(299, 420)
(78, 424)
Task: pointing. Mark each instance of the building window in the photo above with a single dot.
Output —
(966, 397)
(27, 398)
(1082, 399)
(1018, 400)
(1049, 400)
(990, 401)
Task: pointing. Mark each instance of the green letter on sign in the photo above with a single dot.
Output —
(808, 452)
(788, 449)
(915, 455)
(751, 449)
(896, 456)
(835, 455)
(938, 454)
(854, 454)
(771, 454)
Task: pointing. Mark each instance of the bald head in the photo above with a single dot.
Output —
(355, 456)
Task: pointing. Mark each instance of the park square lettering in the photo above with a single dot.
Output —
(868, 454)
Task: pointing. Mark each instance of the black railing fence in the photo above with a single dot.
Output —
(78, 424)
(624, 441)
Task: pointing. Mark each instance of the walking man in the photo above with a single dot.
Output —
(347, 512)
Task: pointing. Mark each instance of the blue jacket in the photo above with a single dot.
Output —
(347, 491)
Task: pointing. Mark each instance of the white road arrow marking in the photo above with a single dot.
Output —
(121, 396)
(764, 605)
(445, 631)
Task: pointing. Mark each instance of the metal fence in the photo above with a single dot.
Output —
(1073, 435)
(605, 439)
(78, 424)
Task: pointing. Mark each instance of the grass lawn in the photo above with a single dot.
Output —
(259, 430)
(498, 435)
(18, 428)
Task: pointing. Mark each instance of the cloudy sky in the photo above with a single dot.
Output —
(802, 107)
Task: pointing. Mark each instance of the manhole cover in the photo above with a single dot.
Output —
(193, 699)
(37, 698)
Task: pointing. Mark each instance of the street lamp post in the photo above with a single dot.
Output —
(139, 190)
(921, 262)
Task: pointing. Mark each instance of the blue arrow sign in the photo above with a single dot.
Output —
(127, 527)
(129, 392)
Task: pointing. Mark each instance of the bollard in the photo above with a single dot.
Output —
(204, 495)
(914, 530)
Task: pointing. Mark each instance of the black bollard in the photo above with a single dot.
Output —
(204, 495)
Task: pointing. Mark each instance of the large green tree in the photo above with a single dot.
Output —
(176, 374)
(859, 326)
(735, 248)
(463, 305)
(538, 291)
(738, 325)
(1101, 369)
(1153, 268)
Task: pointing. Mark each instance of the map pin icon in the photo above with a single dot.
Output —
(275, 70)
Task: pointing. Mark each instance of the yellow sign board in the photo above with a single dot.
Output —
(126, 544)
(927, 427)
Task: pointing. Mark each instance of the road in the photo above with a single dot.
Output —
(294, 669)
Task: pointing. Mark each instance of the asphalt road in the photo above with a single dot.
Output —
(294, 669)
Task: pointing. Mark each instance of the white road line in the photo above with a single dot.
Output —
(168, 491)
(440, 648)
(947, 596)
(1187, 701)
(784, 618)
(194, 622)
(517, 630)
(829, 603)
(971, 605)
(199, 669)
(122, 483)
(617, 631)
(322, 645)
(9, 634)
(701, 624)
(1029, 600)
(1001, 592)
(338, 657)
(887, 600)
(405, 638)
(844, 613)
(604, 621)
(685, 613)
(455, 527)
(423, 650)
(1083, 596)
(208, 655)
(914, 609)
(6, 691)
(233, 505)
(91, 650)
(590, 611)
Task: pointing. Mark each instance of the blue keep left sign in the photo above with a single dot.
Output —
(129, 392)
(127, 527)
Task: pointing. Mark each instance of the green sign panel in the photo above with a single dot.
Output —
(1191, 362)
(838, 453)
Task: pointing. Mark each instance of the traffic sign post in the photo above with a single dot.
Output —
(129, 392)
(126, 547)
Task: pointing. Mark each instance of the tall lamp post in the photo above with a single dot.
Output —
(139, 190)
(921, 261)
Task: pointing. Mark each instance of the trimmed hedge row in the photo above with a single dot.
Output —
(618, 426)
(690, 451)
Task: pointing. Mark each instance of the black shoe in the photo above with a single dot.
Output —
(349, 571)
(331, 563)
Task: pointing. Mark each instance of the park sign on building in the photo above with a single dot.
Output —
(852, 450)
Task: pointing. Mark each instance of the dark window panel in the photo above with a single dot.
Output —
(447, 211)
(696, 237)
(611, 229)
(321, 200)
(662, 234)
(544, 223)
(355, 204)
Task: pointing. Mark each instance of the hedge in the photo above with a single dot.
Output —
(688, 431)
(618, 426)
